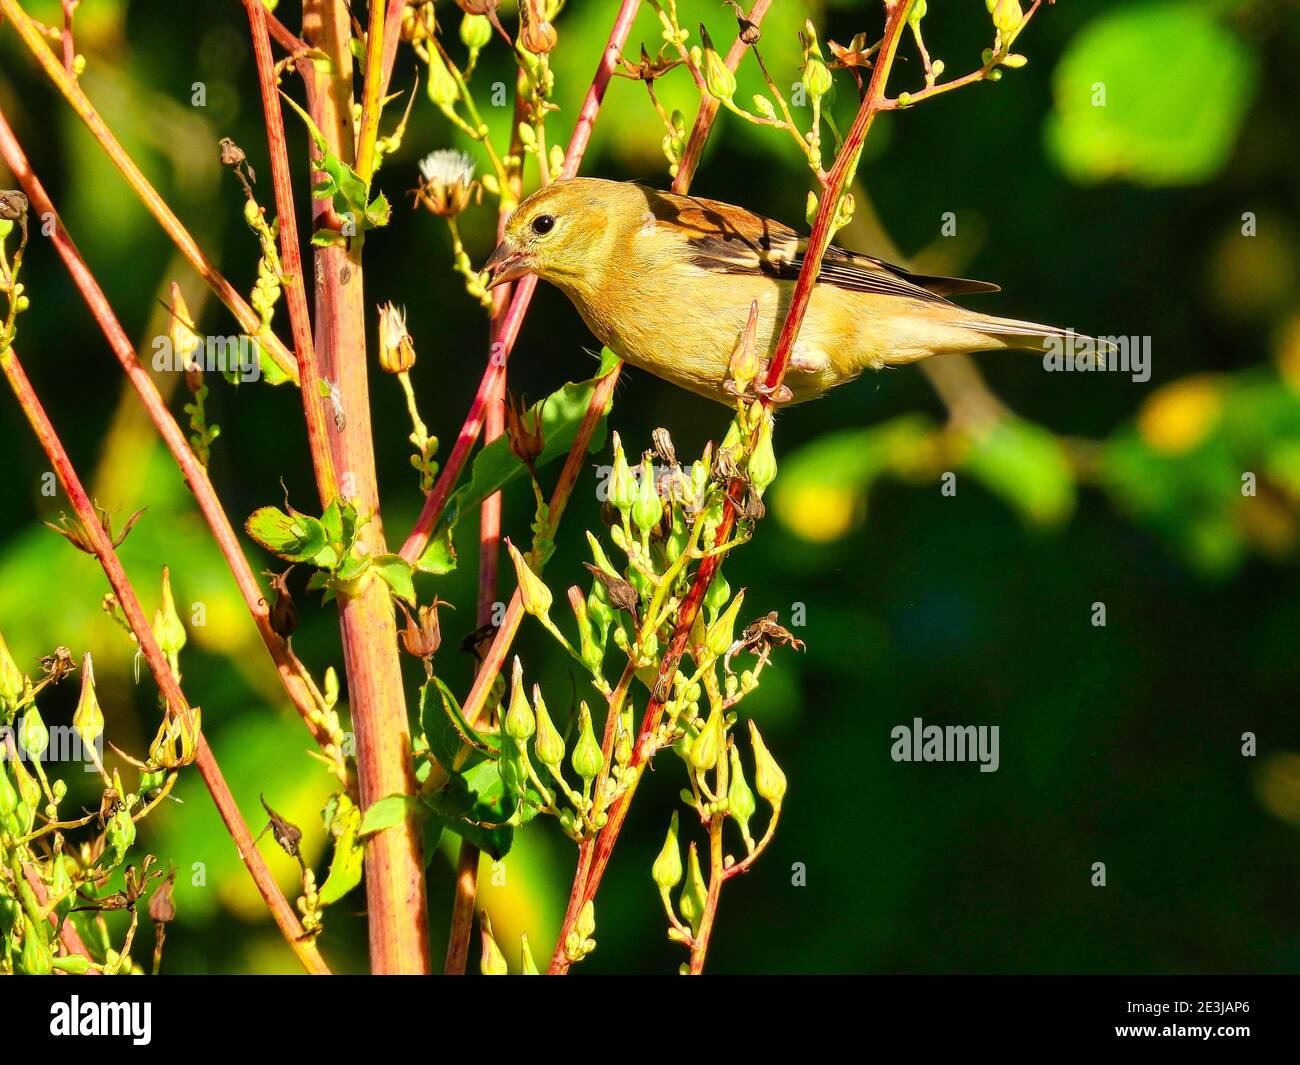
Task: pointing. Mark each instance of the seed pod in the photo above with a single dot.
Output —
(536, 33)
(768, 777)
(527, 967)
(548, 743)
(441, 86)
(740, 800)
(708, 744)
(761, 469)
(168, 629)
(491, 962)
(535, 595)
(1007, 15)
(32, 733)
(667, 869)
(12, 683)
(695, 892)
(520, 723)
(35, 958)
(648, 508)
(284, 613)
(722, 632)
(718, 77)
(587, 759)
(88, 718)
(475, 31)
(622, 486)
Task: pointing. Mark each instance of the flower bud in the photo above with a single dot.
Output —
(768, 777)
(519, 723)
(88, 718)
(722, 632)
(817, 77)
(667, 869)
(548, 744)
(587, 759)
(740, 800)
(475, 31)
(718, 77)
(648, 508)
(536, 596)
(694, 897)
(1007, 15)
(396, 350)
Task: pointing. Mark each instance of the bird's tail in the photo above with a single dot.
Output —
(1033, 336)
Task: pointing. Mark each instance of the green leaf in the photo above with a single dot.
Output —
(562, 412)
(378, 212)
(471, 806)
(1027, 466)
(445, 727)
(294, 537)
(1153, 92)
(340, 182)
(395, 571)
(439, 556)
(345, 866)
(387, 812)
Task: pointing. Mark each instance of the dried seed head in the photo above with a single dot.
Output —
(447, 182)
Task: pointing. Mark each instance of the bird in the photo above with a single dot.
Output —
(667, 282)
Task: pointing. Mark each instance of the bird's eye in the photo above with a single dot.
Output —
(543, 224)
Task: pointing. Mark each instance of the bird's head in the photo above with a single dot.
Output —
(562, 232)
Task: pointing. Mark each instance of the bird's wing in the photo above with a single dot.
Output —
(730, 239)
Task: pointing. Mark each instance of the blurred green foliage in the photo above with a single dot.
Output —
(1120, 744)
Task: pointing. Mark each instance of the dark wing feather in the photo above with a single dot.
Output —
(733, 240)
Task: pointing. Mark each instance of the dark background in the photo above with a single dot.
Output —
(1119, 744)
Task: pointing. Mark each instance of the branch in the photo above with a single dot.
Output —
(297, 681)
(147, 194)
(281, 911)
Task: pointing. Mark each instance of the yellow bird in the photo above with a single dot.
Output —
(667, 282)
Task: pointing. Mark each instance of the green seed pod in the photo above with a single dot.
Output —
(667, 869)
(475, 31)
(718, 77)
(74, 964)
(762, 463)
(708, 744)
(119, 836)
(718, 594)
(768, 777)
(722, 632)
(527, 967)
(548, 743)
(167, 627)
(587, 920)
(491, 962)
(88, 718)
(764, 106)
(441, 86)
(12, 683)
(740, 800)
(536, 596)
(622, 486)
(29, 788)
(648, 508)
(32, 733)
(8, 793)
(587, 759)
(519, 723)
(695, 892)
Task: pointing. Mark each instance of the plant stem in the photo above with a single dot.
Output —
(700, 944)
(297, 681)
(372, 92)
(395, 894)
(144, 191)
(313, 402)
(281, 911)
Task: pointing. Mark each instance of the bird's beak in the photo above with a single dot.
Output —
(506, 263)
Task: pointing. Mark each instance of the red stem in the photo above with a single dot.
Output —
(281, 911)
